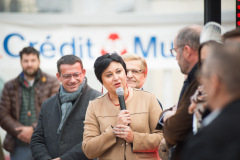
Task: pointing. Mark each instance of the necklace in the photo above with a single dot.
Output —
(114, 103)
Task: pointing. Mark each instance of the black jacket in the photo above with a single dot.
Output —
(219, 140)
(46, 143)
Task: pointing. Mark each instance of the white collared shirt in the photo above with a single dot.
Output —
(213, 115)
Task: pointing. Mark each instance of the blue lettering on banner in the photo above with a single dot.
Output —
(151, 44)
(47, 47)
(80, 49)
(6, 41)
(72, 45)
(137, 42)
(162, 51)
(89, 44)
(32, 44)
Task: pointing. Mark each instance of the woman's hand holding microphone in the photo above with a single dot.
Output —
(122, 129)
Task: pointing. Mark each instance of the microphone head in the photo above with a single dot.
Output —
(120, 91)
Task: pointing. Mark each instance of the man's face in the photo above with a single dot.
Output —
(183, 64)
(209, 85)
(135, 76)
(30, 64)
(71, 76)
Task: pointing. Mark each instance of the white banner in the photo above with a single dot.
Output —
(87, 42)
(54, 38)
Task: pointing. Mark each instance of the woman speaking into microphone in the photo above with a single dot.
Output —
(112, 133)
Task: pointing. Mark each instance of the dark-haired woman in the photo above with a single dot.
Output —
(111, 133)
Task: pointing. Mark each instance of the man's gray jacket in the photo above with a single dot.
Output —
(46, 143)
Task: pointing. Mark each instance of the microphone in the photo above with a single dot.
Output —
(121, 99)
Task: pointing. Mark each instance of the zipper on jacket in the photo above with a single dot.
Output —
(29, 101)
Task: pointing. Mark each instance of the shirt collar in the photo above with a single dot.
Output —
(213, 115)
(192, 74)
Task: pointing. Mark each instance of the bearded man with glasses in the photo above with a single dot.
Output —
(176, 122)
(59, 132)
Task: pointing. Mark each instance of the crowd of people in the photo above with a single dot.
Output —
(63, 118)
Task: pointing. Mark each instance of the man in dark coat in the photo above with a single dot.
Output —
(176, 122)
(59, 131)
(218, 139)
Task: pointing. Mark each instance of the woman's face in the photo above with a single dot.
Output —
(113, 77)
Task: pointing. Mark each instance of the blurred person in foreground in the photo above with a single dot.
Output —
(21, 101)
(112, 133)
(210, 36)
(232, 36)
(136, 71)
(176, 122)
(59, 131)
(218, 139)
(198, 106)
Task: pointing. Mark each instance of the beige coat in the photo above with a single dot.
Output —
(99, 140)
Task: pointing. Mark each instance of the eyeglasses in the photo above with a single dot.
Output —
(67, 77)
(174, 52)
(134, 71)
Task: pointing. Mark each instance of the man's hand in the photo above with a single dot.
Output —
(192, 107)
(198, 102)
(57, 158)
(25, 133)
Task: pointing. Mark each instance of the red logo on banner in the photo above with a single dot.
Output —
(114, 44)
